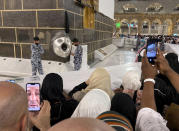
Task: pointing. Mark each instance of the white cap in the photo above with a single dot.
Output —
(131, 80)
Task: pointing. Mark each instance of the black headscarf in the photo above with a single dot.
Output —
(123, 104)
(52, 90)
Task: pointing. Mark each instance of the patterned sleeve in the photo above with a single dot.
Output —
(80, 51)
(32, 48)
(41, 49)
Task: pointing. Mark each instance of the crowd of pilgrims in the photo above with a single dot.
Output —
(142, 40)
(134, 105)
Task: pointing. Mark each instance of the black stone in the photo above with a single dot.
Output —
(51, 19)
(19, 18)
(50, 55)
(40, 4)
(13, 4)
(7, 35)
(25, 35)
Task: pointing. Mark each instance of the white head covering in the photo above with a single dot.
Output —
(150, 120)
(131, 80)
(93, 104)
(99, 79)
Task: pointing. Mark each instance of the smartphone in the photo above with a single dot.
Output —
(152, 50)
(33, 96)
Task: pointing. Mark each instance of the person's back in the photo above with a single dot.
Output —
(52, 91)
(13, 107)
(62, 110)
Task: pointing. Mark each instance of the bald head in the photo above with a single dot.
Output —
(81, 124)
(13, 104)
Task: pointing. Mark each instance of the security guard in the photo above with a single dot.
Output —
(77, 55)
(36, 51)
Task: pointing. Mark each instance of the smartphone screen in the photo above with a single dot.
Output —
(151, 52)
(33, 95)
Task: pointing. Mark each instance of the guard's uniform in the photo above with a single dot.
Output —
(78, 58)
(36, 51)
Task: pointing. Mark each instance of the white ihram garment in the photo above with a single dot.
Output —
(93, 104)
(150, 120)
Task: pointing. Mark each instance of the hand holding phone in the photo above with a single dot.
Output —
(33, 95)
(151, 50)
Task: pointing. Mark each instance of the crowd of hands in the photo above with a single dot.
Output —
(41, 119)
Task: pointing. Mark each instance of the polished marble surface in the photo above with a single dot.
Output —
(16, 68)
(120, 56)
